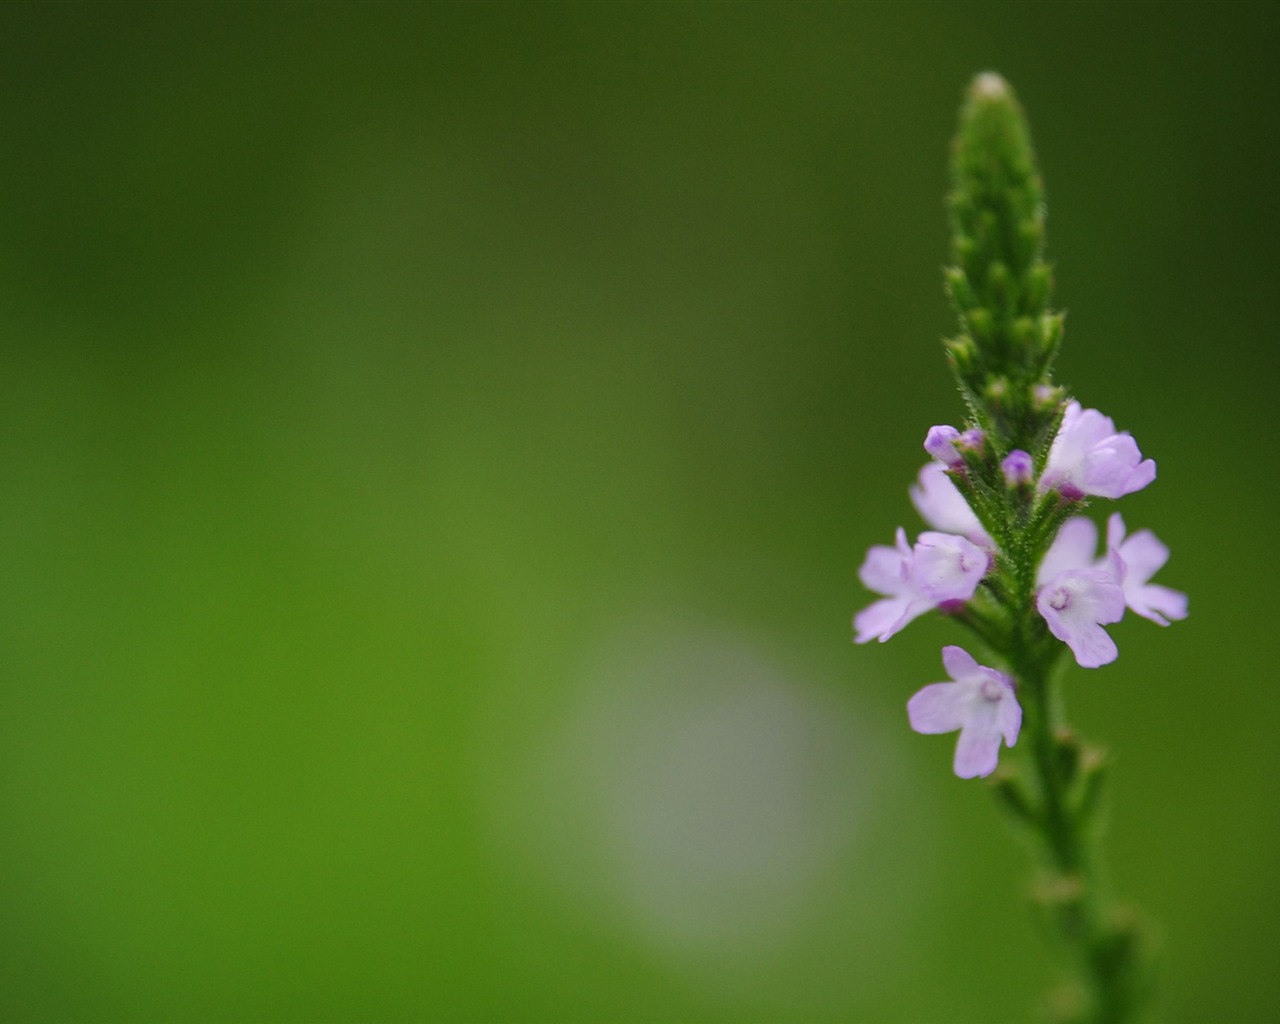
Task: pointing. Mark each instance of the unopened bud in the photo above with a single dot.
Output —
(1047, 396)
(1017, 468)
(940, 442)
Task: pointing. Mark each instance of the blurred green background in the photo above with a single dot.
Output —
(438, 446)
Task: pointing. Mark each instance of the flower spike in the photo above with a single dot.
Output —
(1008, 558)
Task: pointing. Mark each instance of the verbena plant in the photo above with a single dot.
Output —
(1011, 558)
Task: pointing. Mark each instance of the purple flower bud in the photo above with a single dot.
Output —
(1017, 467)
(940, 443)
(972, 440)
(1046, 395)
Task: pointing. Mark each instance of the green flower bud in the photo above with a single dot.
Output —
(1000, 284)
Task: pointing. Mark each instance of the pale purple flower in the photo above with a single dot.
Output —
(947, 567)
(943, 507)
(888, 571)
(1076, 604)
(940, 569)
(979, 701)
(1088, 456)
(1139, 557)
(1017, 467)
(1075, 547)
(1128, 562)
(1078, 594)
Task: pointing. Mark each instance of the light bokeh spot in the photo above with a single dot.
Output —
(697, 793)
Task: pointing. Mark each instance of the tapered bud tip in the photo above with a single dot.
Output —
(1046, 396)
(989, 86)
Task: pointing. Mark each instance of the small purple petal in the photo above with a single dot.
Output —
(1115, 530)
(1143, 552)
(1073, 548)
(1159, 604)
(1092, 645)
(978, 748)
(948, 568)
(880, 620)
(884, 571)
(1009, 717)
(1113, 468)
(943, 507)
(959, 663)
(1143, 474)
(883, 619)
(939, 707)
(1142, 555)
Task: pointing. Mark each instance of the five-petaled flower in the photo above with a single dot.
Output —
(1078, 594)
(979, 701)
(940, 569)
(1088, 456)
(1076, 604)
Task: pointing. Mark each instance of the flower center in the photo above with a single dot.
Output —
(991, 690)
(1060, 599)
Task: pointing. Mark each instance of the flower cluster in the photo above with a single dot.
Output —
(1077, 591)
(1077, 595)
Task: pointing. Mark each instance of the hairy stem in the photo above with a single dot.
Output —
(1101, 941)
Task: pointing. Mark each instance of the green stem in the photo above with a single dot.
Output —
(1101, 944)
